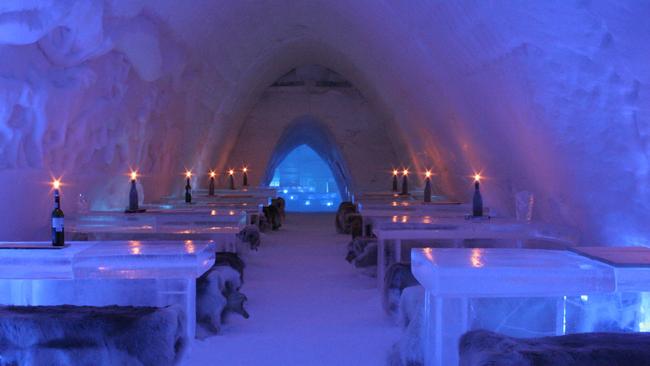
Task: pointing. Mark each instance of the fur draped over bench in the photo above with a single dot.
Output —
(86, 335)
(481, 347)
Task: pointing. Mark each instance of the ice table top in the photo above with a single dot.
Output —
(431, 227)
(411, 206)
(159, 229)
(631, 265)
(108, 259)
(501, 272)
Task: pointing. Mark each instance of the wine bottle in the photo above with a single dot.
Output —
(211, 187)
(477, 202)
(427, 190)
(133, 197)
(405, 185)
(232, 181)
(395, 183)
(245, 179)
(188, 192)
(58, 239)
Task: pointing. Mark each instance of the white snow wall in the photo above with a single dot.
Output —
(549, 97)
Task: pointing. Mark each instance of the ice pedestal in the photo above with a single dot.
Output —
(461, 285)
(107, 273)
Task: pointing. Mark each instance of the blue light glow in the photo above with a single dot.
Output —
(308, 180)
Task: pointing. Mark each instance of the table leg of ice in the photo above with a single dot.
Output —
(381, 262)
(445, 320)
(95, 292)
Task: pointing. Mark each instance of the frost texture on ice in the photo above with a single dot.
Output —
(546, 98)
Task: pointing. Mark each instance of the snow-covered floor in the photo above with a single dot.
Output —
(308, 306)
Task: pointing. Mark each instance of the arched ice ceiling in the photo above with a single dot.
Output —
(541, 96)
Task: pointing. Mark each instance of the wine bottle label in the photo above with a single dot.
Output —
(57, 224)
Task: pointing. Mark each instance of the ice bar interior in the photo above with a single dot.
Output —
(324, 182)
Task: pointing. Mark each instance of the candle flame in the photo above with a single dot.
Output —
(405, 172)
(134, 174)
(212, 174)
(477, 177)
(395, 172)
(188, 174)
(476, 259)
(427, 174)
(231, 172)
(245, 169)
(56, 183)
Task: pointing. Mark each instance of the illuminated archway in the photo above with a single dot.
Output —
(306, 182)
(316, 138)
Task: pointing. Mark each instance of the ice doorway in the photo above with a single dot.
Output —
(308, 168)
(306, 182)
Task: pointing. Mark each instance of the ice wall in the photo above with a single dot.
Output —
(549, 97)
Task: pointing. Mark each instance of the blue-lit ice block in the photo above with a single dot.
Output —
(306, 182)
(106, 273)
(222, 230)
(520, 292)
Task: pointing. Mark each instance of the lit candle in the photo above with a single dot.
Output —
(231, 174)
(211, 187)
(133, 194)
(395, 173)
(405, 182)
(477, 201)
(188, 187)
(58, 239)
(245, 170)
(427, 186)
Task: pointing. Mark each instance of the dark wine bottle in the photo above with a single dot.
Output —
(245, 179)
(477, 202)
(395, 183)
(232, 182)
(211, 187)
(427, 190)
(188, 192)
(405, 185)
(58, 239)
(133, 197)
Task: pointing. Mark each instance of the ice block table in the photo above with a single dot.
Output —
(189, 217)
(250, 191)
(628, 309)
(106, 273)
(373, 215)
(452, 277)
(252, 209)
(224, 237)
(458, 229)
